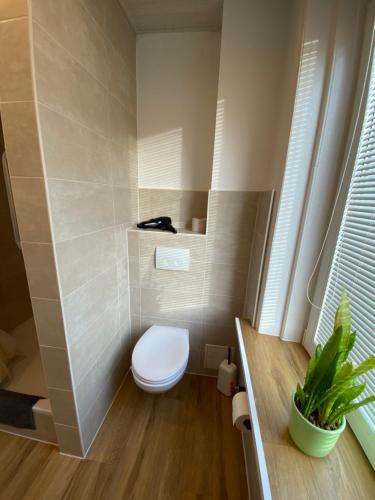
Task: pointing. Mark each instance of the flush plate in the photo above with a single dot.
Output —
(172, 259)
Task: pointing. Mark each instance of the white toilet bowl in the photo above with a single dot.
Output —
(160, 358)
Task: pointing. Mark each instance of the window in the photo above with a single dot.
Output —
(353, 265)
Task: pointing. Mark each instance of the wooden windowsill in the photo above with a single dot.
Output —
(274, 368)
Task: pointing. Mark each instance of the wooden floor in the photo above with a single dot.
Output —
(177, 446)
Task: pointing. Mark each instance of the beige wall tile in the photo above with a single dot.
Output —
(45, 427)
(105, 375)
(73, 27)
(72, 151)
(49, 322)
(83, 306)
(136, 330)
(120, 33)
(87, 348)
(226, 280)
(82, 258)
(134, 272)
(94, 418)
(40, 269)
(222, 309)
(227, 250)
(257, 251)
(124, 308)
(56, 367)
(62, 403)
(220, 333)
(81, 98)
(10, 9)
(121, 80)
(97, 9)
(31, 209)
(181, 206)
(21, 139)
(79, 207)
(172, 304)
(133, 243)
(124, 200)
(92, 185)
(121, 241)
(150, 240)
(135, 301)
(15, 61)
(121, 159)
(159, 279)
(121, 122)
(122, 276)
(69, 440)
(231, 214)
(125, 336)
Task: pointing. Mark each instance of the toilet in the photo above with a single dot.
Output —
(160, 358)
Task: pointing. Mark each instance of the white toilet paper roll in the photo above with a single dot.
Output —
(240, 411)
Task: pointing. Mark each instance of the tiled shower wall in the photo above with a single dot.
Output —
(84, 55)
(207, 298)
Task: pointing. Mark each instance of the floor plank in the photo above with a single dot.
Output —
(180, 445)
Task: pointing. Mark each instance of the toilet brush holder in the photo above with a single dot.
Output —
(227, 376)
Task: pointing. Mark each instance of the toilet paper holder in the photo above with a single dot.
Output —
(247, 424)
(241, 412)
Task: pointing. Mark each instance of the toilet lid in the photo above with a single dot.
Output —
(160, 353)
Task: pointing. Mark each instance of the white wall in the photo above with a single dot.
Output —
(177, 79)
(253, 54)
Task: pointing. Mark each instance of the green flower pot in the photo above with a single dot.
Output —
(310, 439)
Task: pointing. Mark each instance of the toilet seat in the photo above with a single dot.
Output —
(160, 358)
(152, 382)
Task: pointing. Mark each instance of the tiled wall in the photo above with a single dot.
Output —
(180, 205)
(18, 115)
(15, 304)
(208, 297)
(258, 249)
(84, 56)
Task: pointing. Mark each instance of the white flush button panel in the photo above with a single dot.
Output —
(172, 259)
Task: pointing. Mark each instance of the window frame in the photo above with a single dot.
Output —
(357, 420)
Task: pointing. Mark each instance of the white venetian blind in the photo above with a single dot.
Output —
(353, 265)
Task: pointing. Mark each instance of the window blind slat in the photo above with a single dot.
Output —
(353, 265)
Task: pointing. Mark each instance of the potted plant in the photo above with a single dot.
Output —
(318, 410)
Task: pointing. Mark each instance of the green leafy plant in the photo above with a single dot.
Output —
(331, 384)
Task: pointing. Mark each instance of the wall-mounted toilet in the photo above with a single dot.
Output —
(160, 358)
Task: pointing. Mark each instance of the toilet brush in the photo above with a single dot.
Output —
(227, 376)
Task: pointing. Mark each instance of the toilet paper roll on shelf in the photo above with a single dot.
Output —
(241, 412)
(198, 225)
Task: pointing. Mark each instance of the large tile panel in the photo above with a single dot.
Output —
(10, 9)
(82, 258)
(21, 139)
(81, 97)
(73, 151)
(79, 207)
(15, 61)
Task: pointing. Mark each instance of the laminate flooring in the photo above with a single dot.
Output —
(179, 445)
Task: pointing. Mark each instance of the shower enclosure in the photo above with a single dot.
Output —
(22, 370)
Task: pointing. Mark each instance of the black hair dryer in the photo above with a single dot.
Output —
(162, 223)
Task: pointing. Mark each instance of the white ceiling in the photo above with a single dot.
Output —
(148, 16)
